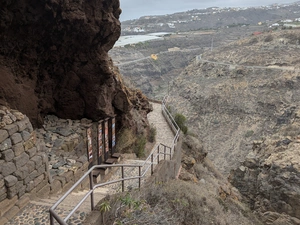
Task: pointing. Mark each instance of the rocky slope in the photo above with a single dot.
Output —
(229, 101)
(269, 178)
(201, 195)
(248, 92)
(53, 60)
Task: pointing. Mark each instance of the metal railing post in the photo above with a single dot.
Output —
(51, 219)
(165, 153)
(122, 178)
(158, 155)
(140, 170)
(151, 164)
(91, 188)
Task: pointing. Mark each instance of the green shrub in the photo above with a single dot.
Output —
(104, 207)
(180, 120)
(169, 109)
(249, 133)
(253, 41)
(152, 134)
(140, 144)
(269, 38)
(127, 200)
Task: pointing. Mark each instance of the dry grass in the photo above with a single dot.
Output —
(291, 130)
(126, 140)
(179, 202)
(206, 199)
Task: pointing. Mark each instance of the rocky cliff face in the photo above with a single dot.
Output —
(243, 101)
(270, 177)
(53, 60)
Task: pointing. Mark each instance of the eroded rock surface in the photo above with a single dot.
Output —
(53, 59)
(270, 176)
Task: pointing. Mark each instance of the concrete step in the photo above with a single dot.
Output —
(72, 199)
(42, 203)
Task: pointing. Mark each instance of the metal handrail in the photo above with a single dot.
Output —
(53, 215)
(153, 156)
(164, 108)
(88, 173)
(169, 118)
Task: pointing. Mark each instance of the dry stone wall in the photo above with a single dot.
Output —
(66, 146)
(38, 162)
(23, 164)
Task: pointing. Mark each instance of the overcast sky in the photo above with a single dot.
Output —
(133, 9)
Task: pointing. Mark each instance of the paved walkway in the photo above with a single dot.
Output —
(36, 212)
(164, 134)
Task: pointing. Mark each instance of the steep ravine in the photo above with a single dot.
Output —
(242, 100)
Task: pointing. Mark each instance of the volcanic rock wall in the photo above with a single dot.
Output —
(53, 59)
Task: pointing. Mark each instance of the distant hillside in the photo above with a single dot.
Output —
(243, 101)
(240, 92)
(212, 18)
(174, 53)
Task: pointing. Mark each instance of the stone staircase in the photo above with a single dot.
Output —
(37, 210)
